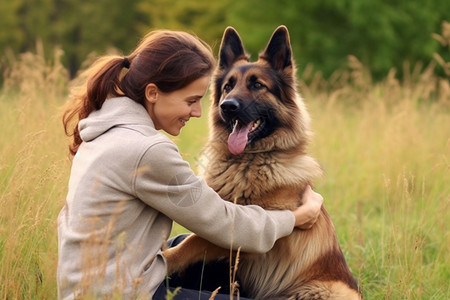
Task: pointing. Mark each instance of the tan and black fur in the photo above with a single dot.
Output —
(269, 166)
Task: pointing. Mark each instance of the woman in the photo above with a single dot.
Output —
(128, 181)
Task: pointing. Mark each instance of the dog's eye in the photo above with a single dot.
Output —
(227, 88)
(258, 85)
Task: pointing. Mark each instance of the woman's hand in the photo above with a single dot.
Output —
(308, 213)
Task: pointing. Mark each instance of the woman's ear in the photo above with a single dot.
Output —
(151, 92)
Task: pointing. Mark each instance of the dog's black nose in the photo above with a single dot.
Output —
(230, 105)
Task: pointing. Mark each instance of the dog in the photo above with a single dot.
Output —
(257, 154)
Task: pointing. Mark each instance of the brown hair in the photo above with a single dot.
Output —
(169, 59)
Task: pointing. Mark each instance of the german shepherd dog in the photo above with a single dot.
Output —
(256, 154)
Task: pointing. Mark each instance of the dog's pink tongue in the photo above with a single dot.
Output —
(238, 138)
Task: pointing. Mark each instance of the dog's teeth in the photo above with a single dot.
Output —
(256, 124)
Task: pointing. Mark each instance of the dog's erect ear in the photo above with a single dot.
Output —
(231, 48)
(278, 51)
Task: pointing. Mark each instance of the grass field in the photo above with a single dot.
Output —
(385, 149)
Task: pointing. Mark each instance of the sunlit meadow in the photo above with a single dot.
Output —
(385, 149)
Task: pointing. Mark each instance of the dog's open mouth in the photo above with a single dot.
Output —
(242, 134)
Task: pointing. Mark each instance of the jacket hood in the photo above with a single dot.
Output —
(114, 112)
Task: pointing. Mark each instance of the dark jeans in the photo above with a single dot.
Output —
(194, 284)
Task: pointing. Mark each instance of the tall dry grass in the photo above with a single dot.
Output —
(33, 174)
(385, 149)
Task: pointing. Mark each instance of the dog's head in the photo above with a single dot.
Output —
(255, 106)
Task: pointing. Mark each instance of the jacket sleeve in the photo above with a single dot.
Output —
(166, 182)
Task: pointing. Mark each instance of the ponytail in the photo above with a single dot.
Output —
(102, 81)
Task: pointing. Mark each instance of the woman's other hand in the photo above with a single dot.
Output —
(307, 214)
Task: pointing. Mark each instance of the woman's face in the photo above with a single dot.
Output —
(171, 111)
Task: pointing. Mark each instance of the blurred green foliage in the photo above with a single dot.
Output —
(382, 34)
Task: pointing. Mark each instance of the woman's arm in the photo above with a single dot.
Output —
(166, 182)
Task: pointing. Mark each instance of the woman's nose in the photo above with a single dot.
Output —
(196, 110)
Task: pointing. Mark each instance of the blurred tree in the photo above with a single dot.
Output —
(78, 27)
(11, 33)
(380, 33)
(83, 27)
(22, 24)
(207, 19)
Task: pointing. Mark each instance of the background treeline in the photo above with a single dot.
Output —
(382, 34)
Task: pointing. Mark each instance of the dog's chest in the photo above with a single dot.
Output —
(247, 179)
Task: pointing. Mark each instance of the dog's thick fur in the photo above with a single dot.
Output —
(257, 109)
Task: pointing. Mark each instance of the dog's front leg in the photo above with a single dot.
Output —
(193, 249)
